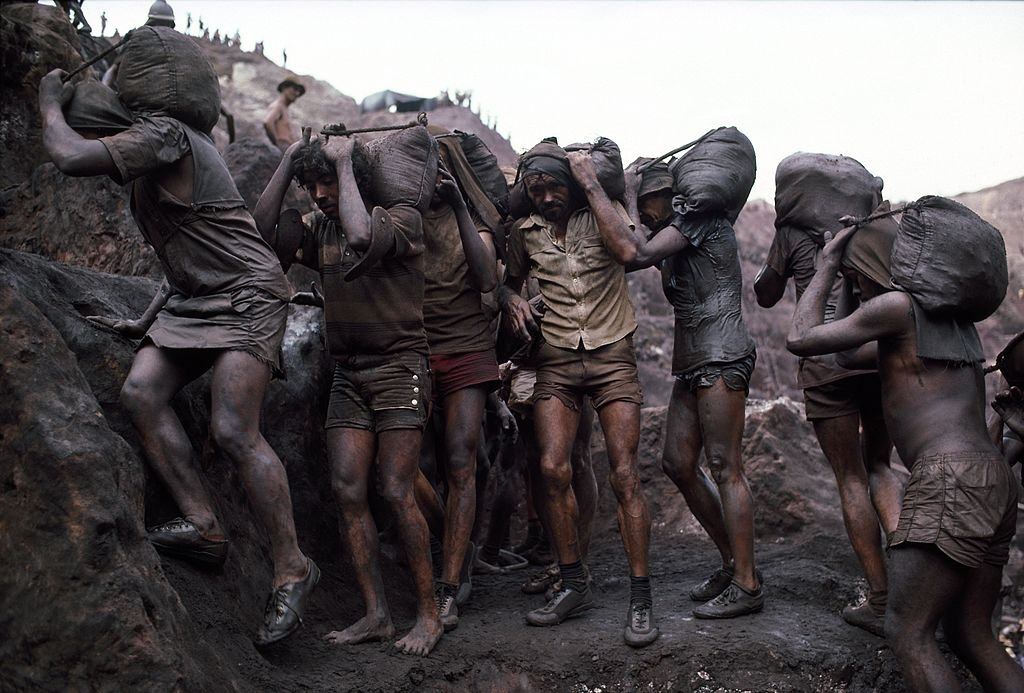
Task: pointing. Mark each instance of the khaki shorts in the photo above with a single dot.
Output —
(522, 380)
(859, 394)
(380, 393)
(606, 374)
(965, 504)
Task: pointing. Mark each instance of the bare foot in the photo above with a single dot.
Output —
(422, 638)
(366, 629)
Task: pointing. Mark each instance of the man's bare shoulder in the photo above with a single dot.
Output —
(893, 308)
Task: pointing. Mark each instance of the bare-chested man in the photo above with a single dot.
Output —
(568, 244)
(277, 124)
(223, 306)
(370, 261)
(712, 359)
(959, 512)
(844, 406)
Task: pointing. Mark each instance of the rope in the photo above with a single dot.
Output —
(883, 215)
(95, 59)
(339, 129)
(652, 162)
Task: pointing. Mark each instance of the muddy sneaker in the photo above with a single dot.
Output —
(283, 614)
(447, 608)
(466, 576)
(566, 604)
(640, 629)
(538, 583)
(863, 616)
(182, 539)
(712, 586)
(733, 601)
(556, 586)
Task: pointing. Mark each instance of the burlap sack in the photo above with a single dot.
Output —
(716, 175)
(607, 161)
(485, 166)
(950, 260)
(404, 168)
(164, 72)
(814, 191)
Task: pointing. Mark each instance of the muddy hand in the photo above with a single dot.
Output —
(295, 149)
(521, 315)
(582, 166)
(339, 148)
(448, 187)
(835, 244)
(132, 329)
(633, 178)
(53, 90)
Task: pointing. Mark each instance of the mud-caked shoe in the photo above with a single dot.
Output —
(447, 609)
(734, 601)
(283, 614)
(567, 603)
(539, 582)
(640, 629)
(182, 539)
(712, 586)
(864, 616)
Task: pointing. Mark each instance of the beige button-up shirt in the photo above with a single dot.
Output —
(583, 286)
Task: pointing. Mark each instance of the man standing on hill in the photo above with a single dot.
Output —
(845, 408)
(959, 513)
(277, 124)
(568, 245)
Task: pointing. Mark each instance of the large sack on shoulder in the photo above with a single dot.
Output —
(485, 166)
(813, 191)
(607, 162)
(403, 168)
(716, 175)
(950, 260)
(164, 72)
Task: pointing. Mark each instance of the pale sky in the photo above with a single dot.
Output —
(929, 96)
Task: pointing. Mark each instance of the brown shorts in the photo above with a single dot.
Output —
(380, 393)
(606, 374)
(965, 504)
(858, 394)
(736, 374)
(457, 371)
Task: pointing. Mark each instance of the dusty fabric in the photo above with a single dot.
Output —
(606, 375)
(547, 157)
(950, 260)
(403, 168)
(584, 288)
(453, 312)
(458, 165)
(704, 283)
(814, 191)
(946, 339)
(163, 72)
(247, 319)
(453, 372)
(95, 107)
(964, 503)
(549, 166)
(381, 312)
(488, 172)
(521, 384)
(716, 174)
(857, 394)
(736, 374)
(654, 179)
(228, 289)
(869, 250)
(795, 253)
(380, 393)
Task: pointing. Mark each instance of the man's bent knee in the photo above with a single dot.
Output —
(723, 470)
(235, 440)
(625, 482)
(136, 398)
(557, 474)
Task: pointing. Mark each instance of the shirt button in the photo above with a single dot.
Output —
(415, 377)
(415, 389)
(414, 401)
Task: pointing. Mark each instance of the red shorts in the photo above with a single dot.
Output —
(452, 372)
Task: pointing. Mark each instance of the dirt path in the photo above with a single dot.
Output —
(798, 643)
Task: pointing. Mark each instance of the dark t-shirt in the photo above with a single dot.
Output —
(381, 312)
(794, 253)
(704, 284)
(209, 245)
(453, 313)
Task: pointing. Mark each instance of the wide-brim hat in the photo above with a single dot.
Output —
(292, 81)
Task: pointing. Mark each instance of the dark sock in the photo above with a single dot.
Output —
(447, 588)
(573, 575)
(640, 590)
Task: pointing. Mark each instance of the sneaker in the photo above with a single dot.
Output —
(538, 583)
(283, 614)
(640, 629)
(556, 586)
(566, 604)
(733, 601)
(182, 539)
(863, 616)
(712, 586)
(447, 609)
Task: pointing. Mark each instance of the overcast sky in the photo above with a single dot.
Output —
(930, 96)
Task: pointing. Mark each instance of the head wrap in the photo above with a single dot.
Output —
(653, 179)
(869, 250)
(550, 166)
(96, 107)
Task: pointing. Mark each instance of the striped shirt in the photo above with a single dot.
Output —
(381, 312)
